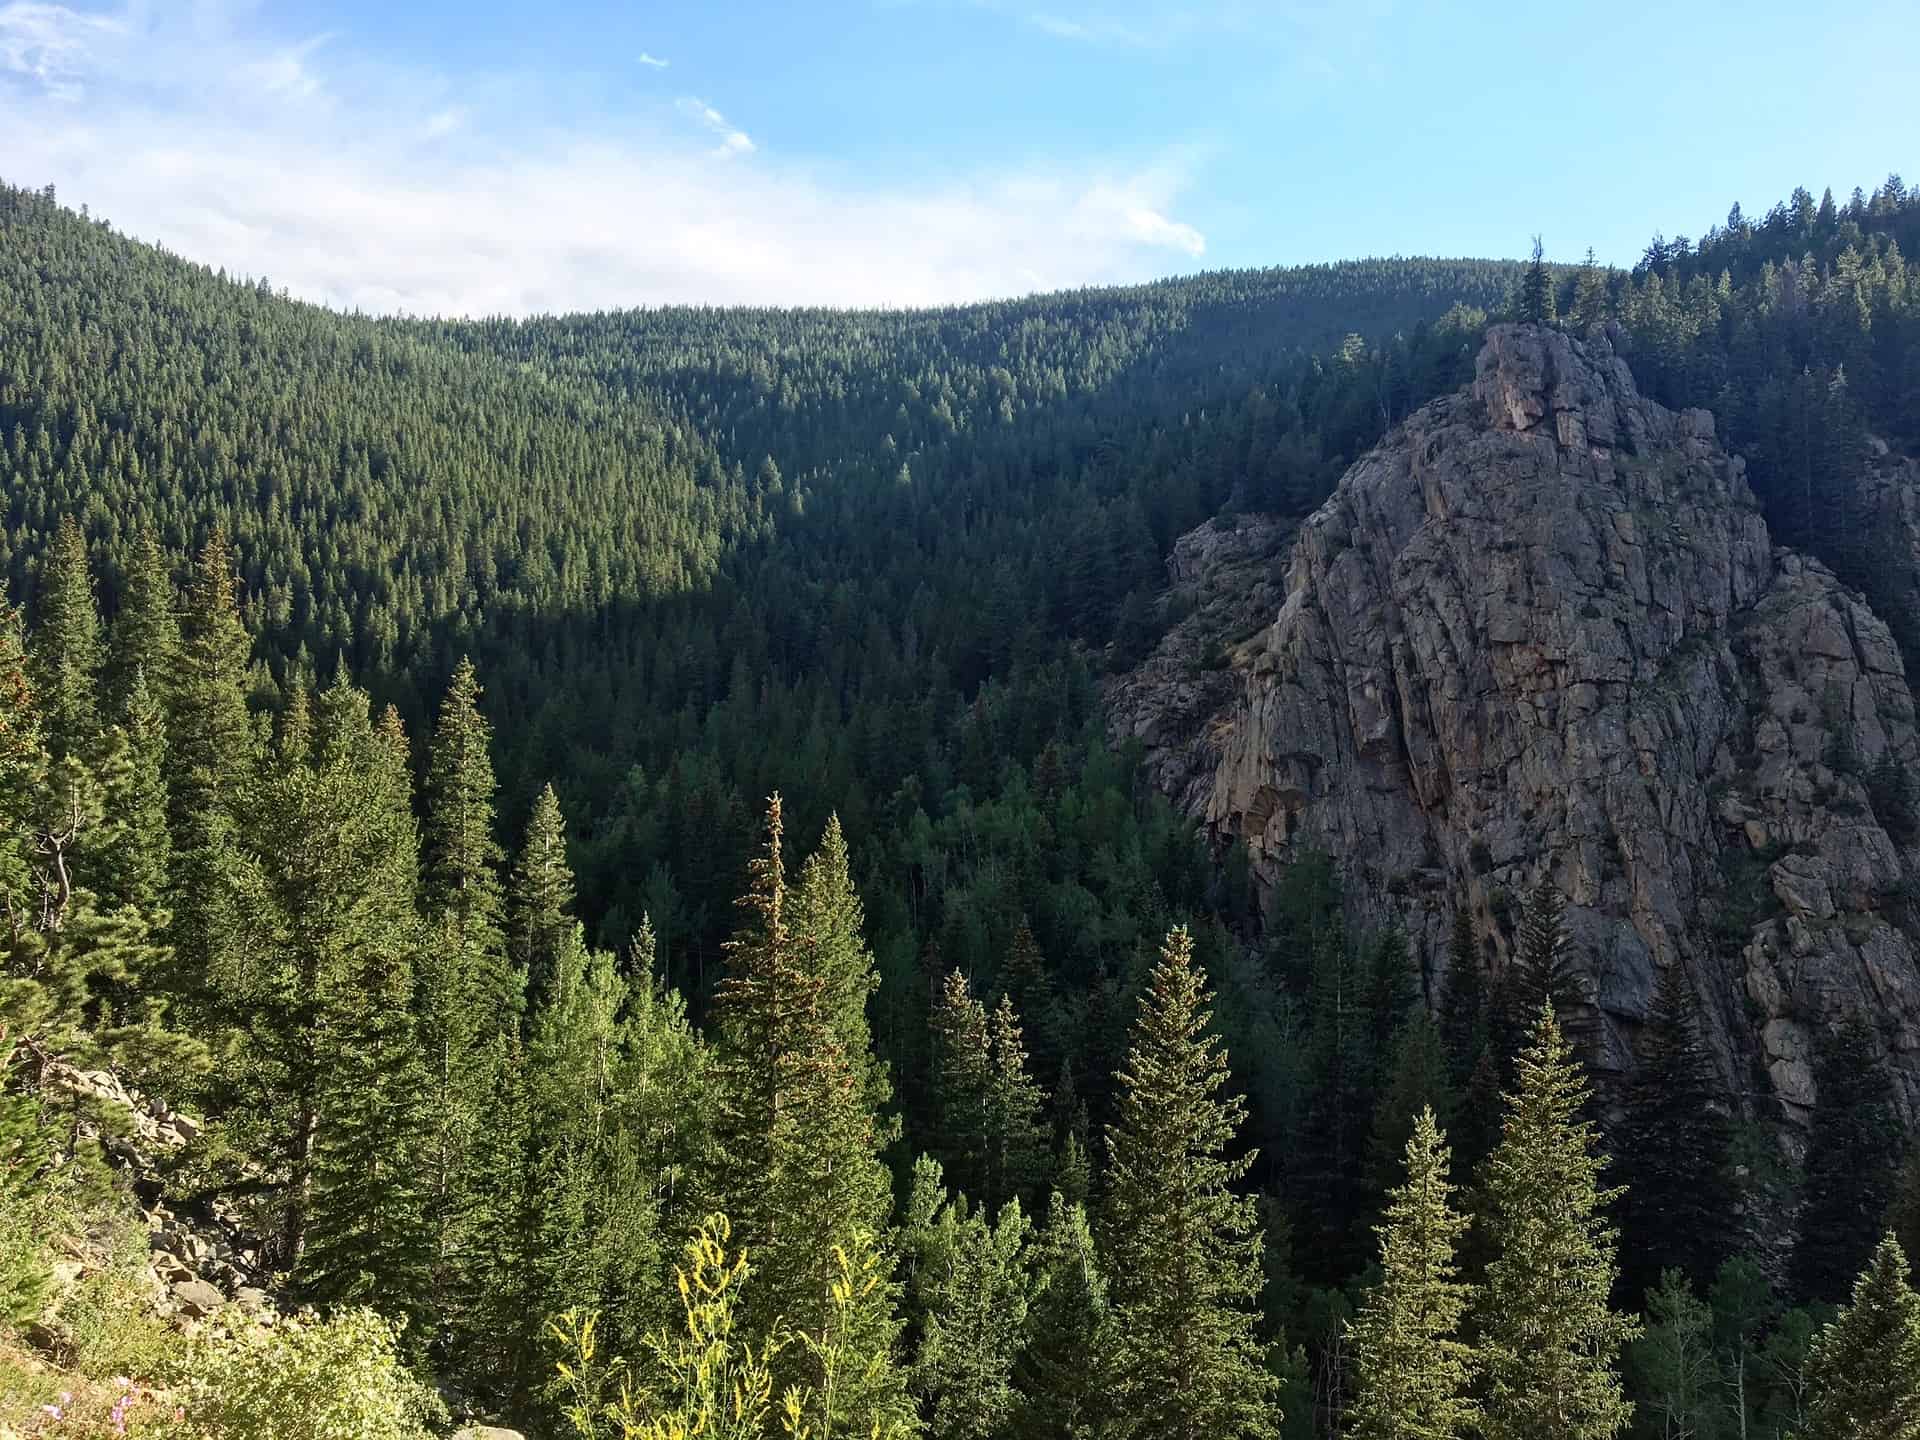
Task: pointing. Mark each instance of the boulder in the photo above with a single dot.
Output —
(197, 1299)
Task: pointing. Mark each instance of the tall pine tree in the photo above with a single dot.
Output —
(1680, 1210)
(540, 901)
(1550, 1343)
(1411, 1370)
(1852, 1152)
(799, 1166)
(1864, 1368)
(1182, 1248)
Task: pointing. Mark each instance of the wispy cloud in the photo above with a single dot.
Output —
(653, 62)
(1096, 30)
(286, 72)
(52, 46)
(347, 179)
(733, 141)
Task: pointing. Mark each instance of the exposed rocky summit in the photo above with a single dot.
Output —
(1541, 632)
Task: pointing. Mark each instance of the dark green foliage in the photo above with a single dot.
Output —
(1413, 1082)
(1535, 304)
(1183, 1250)
(1059, 1395)
(1463, 1000)
(540, 902)
(68, 650)
(799, 1164)
(1852, 1153)
(1543, 971)
(1550, 1343)
(1674, 1147)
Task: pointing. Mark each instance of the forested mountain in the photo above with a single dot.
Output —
(390, 720)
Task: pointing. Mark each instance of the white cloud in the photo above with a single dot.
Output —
(733, 141)
(349, 182)
(52, 46)
(653, 62)
(285, 72)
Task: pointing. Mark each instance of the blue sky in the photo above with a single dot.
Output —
(486, 157)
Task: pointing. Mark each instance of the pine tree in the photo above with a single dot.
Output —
(1849, 1172)
(1680, 1207)
(1536, 306)
(1416, 1081)
(1411, 1370)
(1463, 1002)
(1542, 972)
(975, 1306)
(1864, 1368)
(136, 867)
(1181, 1248)
(1060, 1396)
(145, 637)
(1017, 1144)
(461, 877)
(963, 1078)
(827, 910)
(67, 650)
(540, 900)
(1550, 1343)
(798, 1147)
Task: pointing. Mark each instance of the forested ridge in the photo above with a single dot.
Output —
(388, 739)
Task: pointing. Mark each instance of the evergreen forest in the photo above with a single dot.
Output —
(594, 839)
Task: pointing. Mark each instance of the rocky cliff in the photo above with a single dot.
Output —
(1541, 632)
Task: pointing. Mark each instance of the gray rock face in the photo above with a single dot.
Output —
(1541, 632)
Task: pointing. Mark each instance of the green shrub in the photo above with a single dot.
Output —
(108, 1325)
(305, 1378)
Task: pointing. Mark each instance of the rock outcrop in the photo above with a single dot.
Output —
(1541, 632)
(198, 1262)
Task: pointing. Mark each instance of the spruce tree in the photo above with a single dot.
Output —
(1549, 1342)
(1536, 305)
(1415, 1081)
(1463, 1002)
(1680, 1209)
(211, 756)
(963, 1078)
(211, 738)
(1059, 1395)
(136, 868)
(799, 1167)
(540, 900)
(1852, 1150)
(369, 1237)
(1017, 1143)
(145, 636)
(67, 650)
(461, 872)
(1542, 972)
(1864, 1368)
(1183, 1250)
(974, 1302)
(1411, 1370)
(828, 914)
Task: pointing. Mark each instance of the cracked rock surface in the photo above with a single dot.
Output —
(1541, 631)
